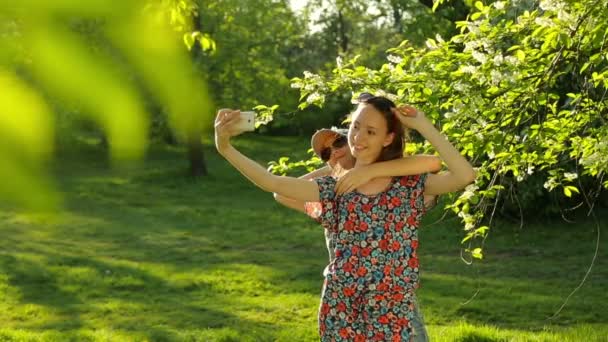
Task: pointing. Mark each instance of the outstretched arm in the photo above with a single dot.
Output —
(291, 203)
(406, 166)
(296, 204)
(460, 172)
(298, 189)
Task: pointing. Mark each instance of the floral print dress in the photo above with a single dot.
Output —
(368, 292)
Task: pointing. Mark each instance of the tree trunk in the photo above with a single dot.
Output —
(343, 36)
(196, 155)
(397, 17)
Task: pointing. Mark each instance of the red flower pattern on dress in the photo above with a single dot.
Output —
(369, 289)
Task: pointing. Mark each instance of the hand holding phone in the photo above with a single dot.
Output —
(246, 122)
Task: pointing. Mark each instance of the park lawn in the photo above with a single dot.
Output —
(146, 254)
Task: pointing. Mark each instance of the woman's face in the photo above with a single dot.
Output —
(339, 156)
(368, 134)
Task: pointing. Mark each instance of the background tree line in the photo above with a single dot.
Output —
(518, 85)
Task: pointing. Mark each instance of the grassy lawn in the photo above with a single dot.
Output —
(146, 254)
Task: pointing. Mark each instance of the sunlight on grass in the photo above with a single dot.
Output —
(144, 255)
(465, 332)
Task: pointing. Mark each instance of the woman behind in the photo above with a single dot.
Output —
(369, 290)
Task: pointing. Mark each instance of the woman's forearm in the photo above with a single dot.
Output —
(457, 164)
(290, 203)
(298, 189)
(411, 165)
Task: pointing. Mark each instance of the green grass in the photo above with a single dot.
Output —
(147, 254)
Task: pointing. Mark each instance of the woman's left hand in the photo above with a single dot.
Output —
(410, 116)
(352, 179)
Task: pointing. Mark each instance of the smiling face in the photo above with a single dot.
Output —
(368, 134)
(340, 156)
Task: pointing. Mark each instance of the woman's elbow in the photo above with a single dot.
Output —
(436, 165)
(469, 177)
(272, 184)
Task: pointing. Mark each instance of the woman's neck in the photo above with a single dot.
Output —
(361, 163)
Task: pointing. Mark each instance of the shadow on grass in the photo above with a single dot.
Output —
(473, 337)
(74, 288)
(187, 254)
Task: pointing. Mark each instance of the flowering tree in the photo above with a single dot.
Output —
(521, 91)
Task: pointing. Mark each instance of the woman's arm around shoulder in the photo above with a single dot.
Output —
(407, 166)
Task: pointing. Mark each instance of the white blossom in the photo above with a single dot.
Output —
(314, 97)
(468, 193)
(570, 176)
(468, 69)
(480, 56)
(549, 5)
(309, 87)
(471, 46)
(473, 28)
(512, 60)
(499, 5)
(544, 21)
(496, 77)
(550, 184)
(498, 60)
(459, 86)
(394, 59)
(530, 169)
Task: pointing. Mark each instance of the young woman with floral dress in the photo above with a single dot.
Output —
(369, 291)
(331, 146)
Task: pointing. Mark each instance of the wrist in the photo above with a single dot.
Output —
(425, 127)
(222, 145)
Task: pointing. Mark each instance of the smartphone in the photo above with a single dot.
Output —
(246, 122)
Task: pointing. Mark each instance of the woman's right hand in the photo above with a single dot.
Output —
(224, 127)
(352, 179)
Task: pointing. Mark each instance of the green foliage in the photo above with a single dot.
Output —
(256, 42)
(284, 165)
(521, 91)
(46, 57)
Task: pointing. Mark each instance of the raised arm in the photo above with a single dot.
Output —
(406, 166)
(295, 188)
(460, 172)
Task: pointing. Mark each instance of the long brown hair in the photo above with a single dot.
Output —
(386, 107)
